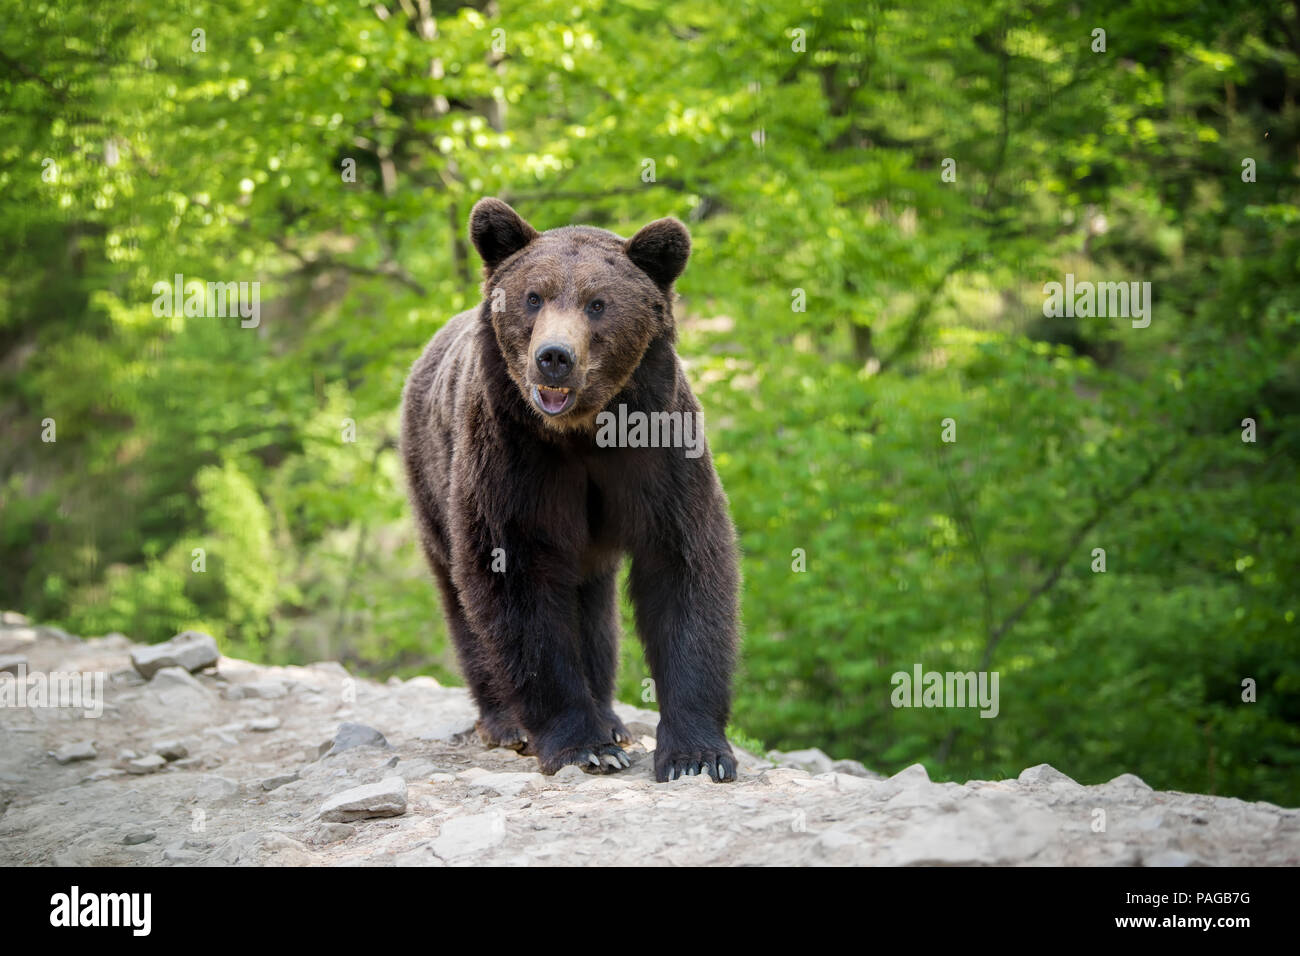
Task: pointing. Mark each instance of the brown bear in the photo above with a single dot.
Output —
(528, 494)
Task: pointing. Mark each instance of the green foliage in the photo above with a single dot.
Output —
(811, 171)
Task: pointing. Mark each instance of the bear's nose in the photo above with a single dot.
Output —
(554, 361)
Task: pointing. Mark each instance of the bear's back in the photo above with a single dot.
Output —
(433, 405)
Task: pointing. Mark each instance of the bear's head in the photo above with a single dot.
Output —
(574, 309)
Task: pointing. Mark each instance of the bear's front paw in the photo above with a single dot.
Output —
(673, 762)
(596, 758)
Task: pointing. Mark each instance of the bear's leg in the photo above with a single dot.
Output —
(598, 617)
(498, 724)
(531, 615)
(685, 592)
(543, 650)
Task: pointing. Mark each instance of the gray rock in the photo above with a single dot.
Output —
(384, 799)
(351, 735)
(18, 637)
(285, 850)
(855, 769)
(1128, 781)
(264, 724)
(13, 619)
(212, 788)
(1045, 775)
(989, 828)
(418, 770)
(13, 663)
(332, 833)
(272, 783)
(150, 763)
(913, 776)
(258, 690)
(1151, 820)
(171, 750)
(138, 837)
(70, 753)
(472, 834)
(847, 781)
(226, 734)
(811, 760)
(178, 853)
(837, 839)
(916, 795)
(191, 650)
(177, 688)
(241, 847)
(509, 784)
(569, 775)
(126, 677)
(419, 855)
(104, 774)
(333, 668)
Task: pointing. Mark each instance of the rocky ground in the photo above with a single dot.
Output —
(242, 764)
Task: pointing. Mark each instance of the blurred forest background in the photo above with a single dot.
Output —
(805, 146)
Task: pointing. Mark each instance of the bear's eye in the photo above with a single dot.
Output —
(596, 307)
(534, 300)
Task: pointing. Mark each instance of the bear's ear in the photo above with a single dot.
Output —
(661, 250)
(497, 231)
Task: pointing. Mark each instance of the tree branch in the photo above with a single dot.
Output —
(1058, 568)
(322, 263)
(921, 311)
(19, 68)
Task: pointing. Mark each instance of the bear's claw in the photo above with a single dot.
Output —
(618, 732)
(720, 766)
(602, 758)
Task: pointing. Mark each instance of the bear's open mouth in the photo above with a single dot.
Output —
(552, 400)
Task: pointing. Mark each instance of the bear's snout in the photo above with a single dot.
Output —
(555, 362)
(557, 355)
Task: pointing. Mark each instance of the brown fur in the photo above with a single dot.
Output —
(489, 469)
